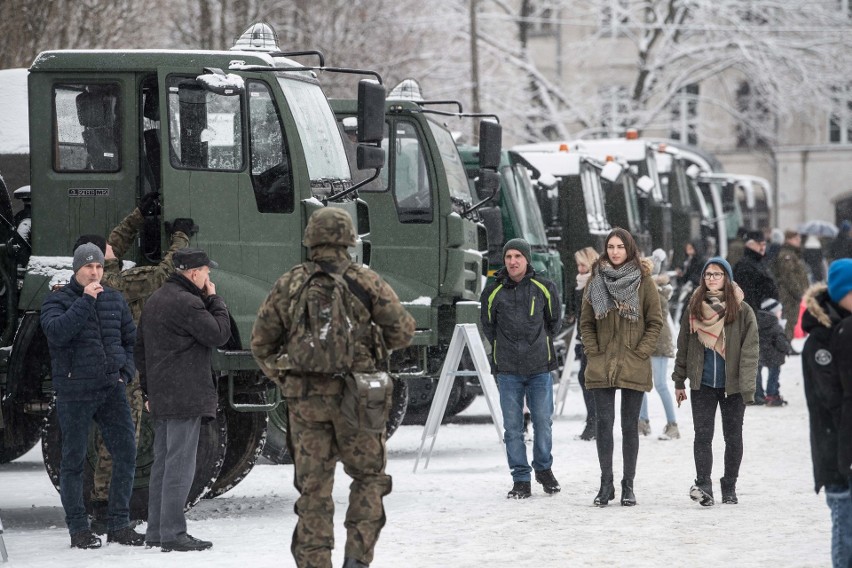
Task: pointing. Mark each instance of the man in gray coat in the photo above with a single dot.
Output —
(181, 324)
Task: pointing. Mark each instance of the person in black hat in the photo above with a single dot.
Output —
(752, 273)
(181, 324)
(520, 314)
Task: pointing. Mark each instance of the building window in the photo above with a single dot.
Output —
(614, 16)
(615, 110)
(755, 125)
(685, 115)
(840, 120)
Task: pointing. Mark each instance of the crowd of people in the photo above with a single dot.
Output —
(737, 315)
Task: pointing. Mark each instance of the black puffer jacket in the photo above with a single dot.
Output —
(177, 333)
(91, 341)
(519, 320)
(774, 346)
(752, 274)
(827, 370)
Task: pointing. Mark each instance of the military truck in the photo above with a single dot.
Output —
(244, 143)
(426, 238)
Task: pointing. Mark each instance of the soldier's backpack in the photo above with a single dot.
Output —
(322, 323)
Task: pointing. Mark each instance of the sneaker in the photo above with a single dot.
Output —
(645, 427)
(545, 477)
(520, 490)
(185, 543)
(126, 536)
(85, 539)
(670, 432)
(775, 400)
(588, 432)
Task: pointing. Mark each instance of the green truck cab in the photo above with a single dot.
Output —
(425, 237)
(243, 142)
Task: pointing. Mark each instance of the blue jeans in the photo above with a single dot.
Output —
(839, 500)
(772, 381)
(661, 385)
(112, 415)
(538, 391)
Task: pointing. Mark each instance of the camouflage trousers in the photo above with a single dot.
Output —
(317, 438)
(103, 469)
(791, 314)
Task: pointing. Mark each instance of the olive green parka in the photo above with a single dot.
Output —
(618, 350)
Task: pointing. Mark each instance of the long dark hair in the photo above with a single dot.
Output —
(629, 247)
(732, 306)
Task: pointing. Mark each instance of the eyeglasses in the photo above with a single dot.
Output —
(713, 275)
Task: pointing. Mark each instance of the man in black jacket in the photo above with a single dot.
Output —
(181, 324)
(520, 314)
(827, 370)
(752, 274)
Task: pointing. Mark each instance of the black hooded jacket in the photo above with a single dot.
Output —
(827, 370)
(774, 345)
(752, 275)
(519, 320)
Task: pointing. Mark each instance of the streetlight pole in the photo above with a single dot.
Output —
(474, 67)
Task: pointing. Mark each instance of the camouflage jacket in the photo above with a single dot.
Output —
(792, 277)
(393, 329)
(137, 283)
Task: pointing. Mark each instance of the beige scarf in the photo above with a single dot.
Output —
(711, 327)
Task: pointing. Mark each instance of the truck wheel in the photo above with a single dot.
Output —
(212, 443)
(465, 400)
(20, 434)
(246, 438)
(421, 393)
(276, 449)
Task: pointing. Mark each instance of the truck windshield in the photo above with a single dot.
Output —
(526, 210)
(321, 141)
(456, 176)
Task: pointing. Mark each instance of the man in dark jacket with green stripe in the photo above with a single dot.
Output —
(520, 314)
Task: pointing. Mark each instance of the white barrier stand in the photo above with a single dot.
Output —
(4, 557)
(564, 381)
(465, 335)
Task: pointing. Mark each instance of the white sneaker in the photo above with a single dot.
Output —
(670, 432)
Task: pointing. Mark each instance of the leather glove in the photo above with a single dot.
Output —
(184, 225)
(149, 205)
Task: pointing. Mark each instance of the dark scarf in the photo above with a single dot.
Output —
(616, 289)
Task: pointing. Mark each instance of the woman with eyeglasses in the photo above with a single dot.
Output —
(620, 324)
(717, 350)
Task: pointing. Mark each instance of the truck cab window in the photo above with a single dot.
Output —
(411, 188)
(87, 127)
(271, 173)
(205, 128)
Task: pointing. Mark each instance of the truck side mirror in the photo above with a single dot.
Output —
(371, 112)
(490, 144)
(488, 185)
(611, 172)
(369, 157)
(645, 183)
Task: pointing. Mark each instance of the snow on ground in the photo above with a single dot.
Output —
(455, 514)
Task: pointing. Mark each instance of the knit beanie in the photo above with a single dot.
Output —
(86, 254)
(520, 245)
(839, 279)
(721, 262)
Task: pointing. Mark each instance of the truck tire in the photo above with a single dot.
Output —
(212, 443)
(421, 393)
(276, 449)
(20, 434)
(246, 438)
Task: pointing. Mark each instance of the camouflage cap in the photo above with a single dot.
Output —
(330, 226)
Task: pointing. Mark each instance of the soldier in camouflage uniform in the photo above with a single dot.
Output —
(317, 435)
(791, 274)
(136, 284)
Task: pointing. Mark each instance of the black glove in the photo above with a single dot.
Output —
(184, 225)
(149, 205)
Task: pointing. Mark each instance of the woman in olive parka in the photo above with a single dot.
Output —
(620, 324)
(717, 350)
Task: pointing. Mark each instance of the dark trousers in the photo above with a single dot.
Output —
(588, 397)
(112, 415)
(175, 448)
(631, 403)
(704, 402)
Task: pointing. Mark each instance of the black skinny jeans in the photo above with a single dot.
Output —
(631, 404)
(704, 403)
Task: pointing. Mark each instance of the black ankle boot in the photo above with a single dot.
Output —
(606, 493)
(702, 492)
(628, 499)
(729, 490)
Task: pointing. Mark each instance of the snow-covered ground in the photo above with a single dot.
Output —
(455, 514)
